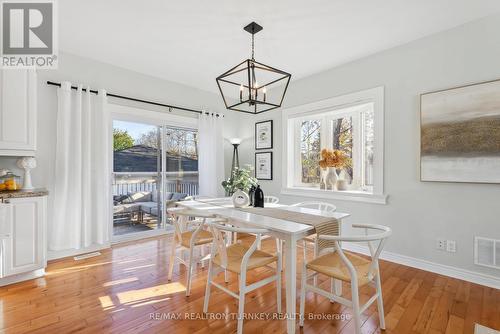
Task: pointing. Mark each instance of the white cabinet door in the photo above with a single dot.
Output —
(25, 250)
(17, 112)
(5, 224)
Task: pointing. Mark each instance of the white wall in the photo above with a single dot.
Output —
(418, 212)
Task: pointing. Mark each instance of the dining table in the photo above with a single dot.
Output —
(283, 229)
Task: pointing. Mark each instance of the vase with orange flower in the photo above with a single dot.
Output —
(328, 176)
(331, 162)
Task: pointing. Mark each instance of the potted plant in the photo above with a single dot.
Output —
(240, 179)
(331, 163)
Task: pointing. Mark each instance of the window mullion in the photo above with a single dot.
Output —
(297, 152)
(326, 134)
(356, 148)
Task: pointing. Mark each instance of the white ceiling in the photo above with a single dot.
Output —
(191, 42)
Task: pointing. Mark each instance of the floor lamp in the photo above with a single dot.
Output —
(236, 160)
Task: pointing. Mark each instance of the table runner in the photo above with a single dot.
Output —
(323, 225)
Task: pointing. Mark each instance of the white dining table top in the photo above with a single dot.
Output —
(224, 207)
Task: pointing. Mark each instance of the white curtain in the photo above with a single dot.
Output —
(211, 154)
(81, 203)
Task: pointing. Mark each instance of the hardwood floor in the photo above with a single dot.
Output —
(126, 291)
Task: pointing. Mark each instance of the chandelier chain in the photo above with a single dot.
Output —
(253, 45)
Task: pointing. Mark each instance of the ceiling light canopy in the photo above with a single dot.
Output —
(253, 87)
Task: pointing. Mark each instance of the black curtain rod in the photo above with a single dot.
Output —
(58, 84)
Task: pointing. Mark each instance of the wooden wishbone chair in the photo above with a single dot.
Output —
(187, 238)
(239, 259)
(349, 267)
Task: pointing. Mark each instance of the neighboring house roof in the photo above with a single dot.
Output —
(141, 158)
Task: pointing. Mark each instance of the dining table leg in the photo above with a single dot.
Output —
(291, 282)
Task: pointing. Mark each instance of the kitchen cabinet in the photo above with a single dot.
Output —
(23, 238)
(18, 98)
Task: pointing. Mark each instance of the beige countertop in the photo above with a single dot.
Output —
(23, 193)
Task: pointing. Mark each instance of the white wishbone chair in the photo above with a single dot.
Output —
(349, 267)
(271, 199)
(187, 238)
(311, 239)
(239, 259)
(323, 206)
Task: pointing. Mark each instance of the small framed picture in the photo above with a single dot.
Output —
(264, 135)
(264, 165)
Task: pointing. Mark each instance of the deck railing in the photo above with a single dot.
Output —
(125, 183)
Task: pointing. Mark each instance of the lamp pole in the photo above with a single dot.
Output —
(236, 159)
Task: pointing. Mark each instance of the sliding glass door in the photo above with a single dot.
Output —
(154, 165)
(181, 151)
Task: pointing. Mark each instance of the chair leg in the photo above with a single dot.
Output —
(202, 254)
(189, 272)
(172, 259)
(315, 255)
(332, 289)
(278, 284)
(302, 295)
(304, 250)
(207, 288)
(338, 287)
(241, 304)
(380, 301)
(355, 306)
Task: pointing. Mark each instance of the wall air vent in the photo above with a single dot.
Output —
(487, 252)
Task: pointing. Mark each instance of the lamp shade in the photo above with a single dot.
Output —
(235, 141)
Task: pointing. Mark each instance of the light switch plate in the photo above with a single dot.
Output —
(451, 246)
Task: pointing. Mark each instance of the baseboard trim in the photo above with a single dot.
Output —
(22, 277)
(466, 275)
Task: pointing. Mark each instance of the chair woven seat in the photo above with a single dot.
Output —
(235, 255)
(332, 265)
(311, 238)
(203, 237)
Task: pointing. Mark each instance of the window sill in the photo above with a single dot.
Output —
(347, 195)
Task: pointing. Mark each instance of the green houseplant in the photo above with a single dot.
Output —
(240, 179)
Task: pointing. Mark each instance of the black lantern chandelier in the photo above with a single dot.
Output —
(253, 87)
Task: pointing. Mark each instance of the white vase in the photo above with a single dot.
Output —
(240, 199)
(343, 180)
(322, 180)
(27, 163)
(331, 178)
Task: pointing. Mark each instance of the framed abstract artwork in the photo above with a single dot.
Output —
(264, 165)
(264, 135)
(460, 134)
